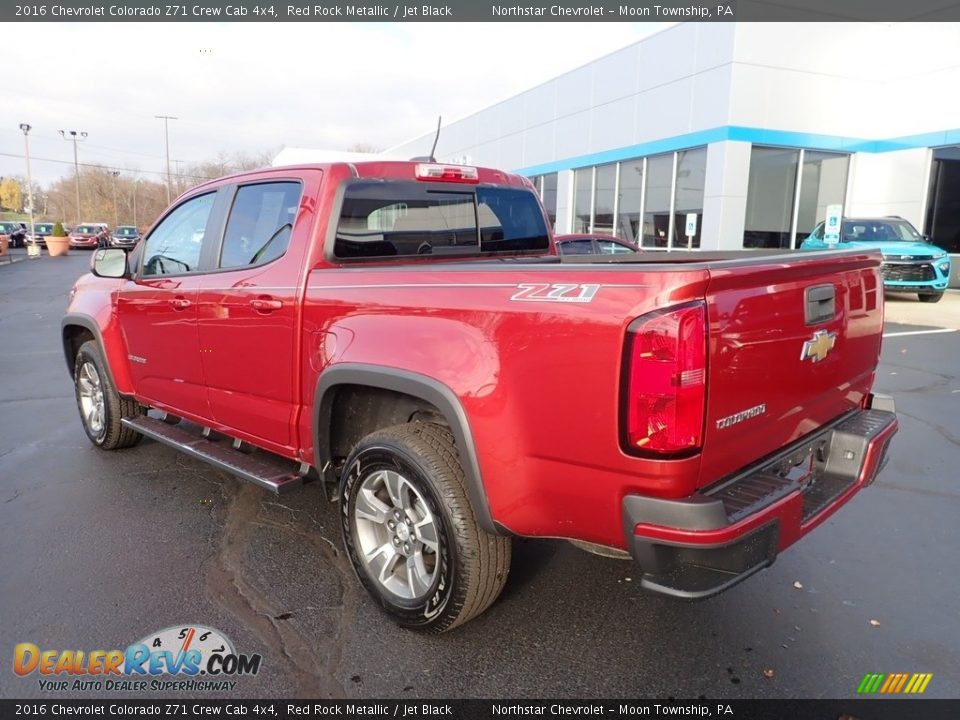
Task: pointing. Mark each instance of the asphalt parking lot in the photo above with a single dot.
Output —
(100, 549)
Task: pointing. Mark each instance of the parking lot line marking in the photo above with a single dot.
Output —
(919, 332)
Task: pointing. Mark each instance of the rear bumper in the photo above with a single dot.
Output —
(701, 545)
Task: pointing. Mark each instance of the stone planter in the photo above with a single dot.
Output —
(58, 246)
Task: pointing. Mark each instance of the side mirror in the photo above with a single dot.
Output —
(109, 263)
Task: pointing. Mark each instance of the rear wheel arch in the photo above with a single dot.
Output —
(392, 396)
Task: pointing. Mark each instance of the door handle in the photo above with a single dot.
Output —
(265, 304)
(180, 303)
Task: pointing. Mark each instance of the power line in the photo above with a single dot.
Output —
(109, 167)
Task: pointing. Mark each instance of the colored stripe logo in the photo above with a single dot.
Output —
(894, 684)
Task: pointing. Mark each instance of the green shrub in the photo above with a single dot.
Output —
(58, 230)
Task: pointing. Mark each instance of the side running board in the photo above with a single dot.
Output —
(267, 471)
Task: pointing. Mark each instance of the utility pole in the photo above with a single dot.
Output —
(179, 173)
(136, 181)
(26, 141)
(116, 213)
(166, 134)
(76, 136)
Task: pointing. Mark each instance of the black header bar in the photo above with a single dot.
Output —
(480, 11)
(412, 709)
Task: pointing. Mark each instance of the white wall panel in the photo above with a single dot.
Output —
(511, 115)
(615, 76)
(775, 99)
(564, 201)
(710, 98)
(538, 145)
(664, 111)
(892, 183)
(725, 195)
(612, 125)
(540, 104)
(574, 91)
(511, 151)
(714, 45)
(668, 56)
(573, 135)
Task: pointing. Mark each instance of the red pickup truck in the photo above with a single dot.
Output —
(406, 332)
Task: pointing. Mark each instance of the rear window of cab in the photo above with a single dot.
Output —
(391, 218)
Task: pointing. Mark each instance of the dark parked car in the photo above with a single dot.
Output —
(16, 232)
(125, 236)
(90, 236)
(41, 231)
(593, 244)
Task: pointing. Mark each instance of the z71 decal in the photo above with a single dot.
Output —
(559, 292)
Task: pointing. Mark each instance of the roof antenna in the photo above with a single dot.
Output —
(436, 139)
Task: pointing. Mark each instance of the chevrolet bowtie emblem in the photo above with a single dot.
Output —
(819, 346)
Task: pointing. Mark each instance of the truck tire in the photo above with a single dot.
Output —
(101, 407)
(930, 297)
(410, 531)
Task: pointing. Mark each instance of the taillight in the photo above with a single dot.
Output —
(447, 173)
(665, 381)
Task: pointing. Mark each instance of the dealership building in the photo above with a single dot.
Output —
(753, 127)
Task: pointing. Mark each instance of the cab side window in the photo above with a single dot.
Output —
(173, 247)
(260, 224)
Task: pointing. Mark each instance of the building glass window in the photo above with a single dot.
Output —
(823, 182)
(770, 193)
(603, 194)
(772, 196)
(546, 186)
(656, 207)
(582, 195)
(630, 201)
(548, 193)
(943, 204)
(691, 178)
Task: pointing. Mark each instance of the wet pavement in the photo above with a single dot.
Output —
(101, 549)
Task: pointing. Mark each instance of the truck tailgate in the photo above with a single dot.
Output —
(793, 344)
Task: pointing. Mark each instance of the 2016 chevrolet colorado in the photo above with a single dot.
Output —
(407, 332)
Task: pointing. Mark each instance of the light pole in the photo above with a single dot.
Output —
(26, 141)
(166, 135)
(116, 213)
(76, 136)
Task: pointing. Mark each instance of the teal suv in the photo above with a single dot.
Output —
(910, 262)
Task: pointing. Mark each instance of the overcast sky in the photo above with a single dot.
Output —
(254, 87)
